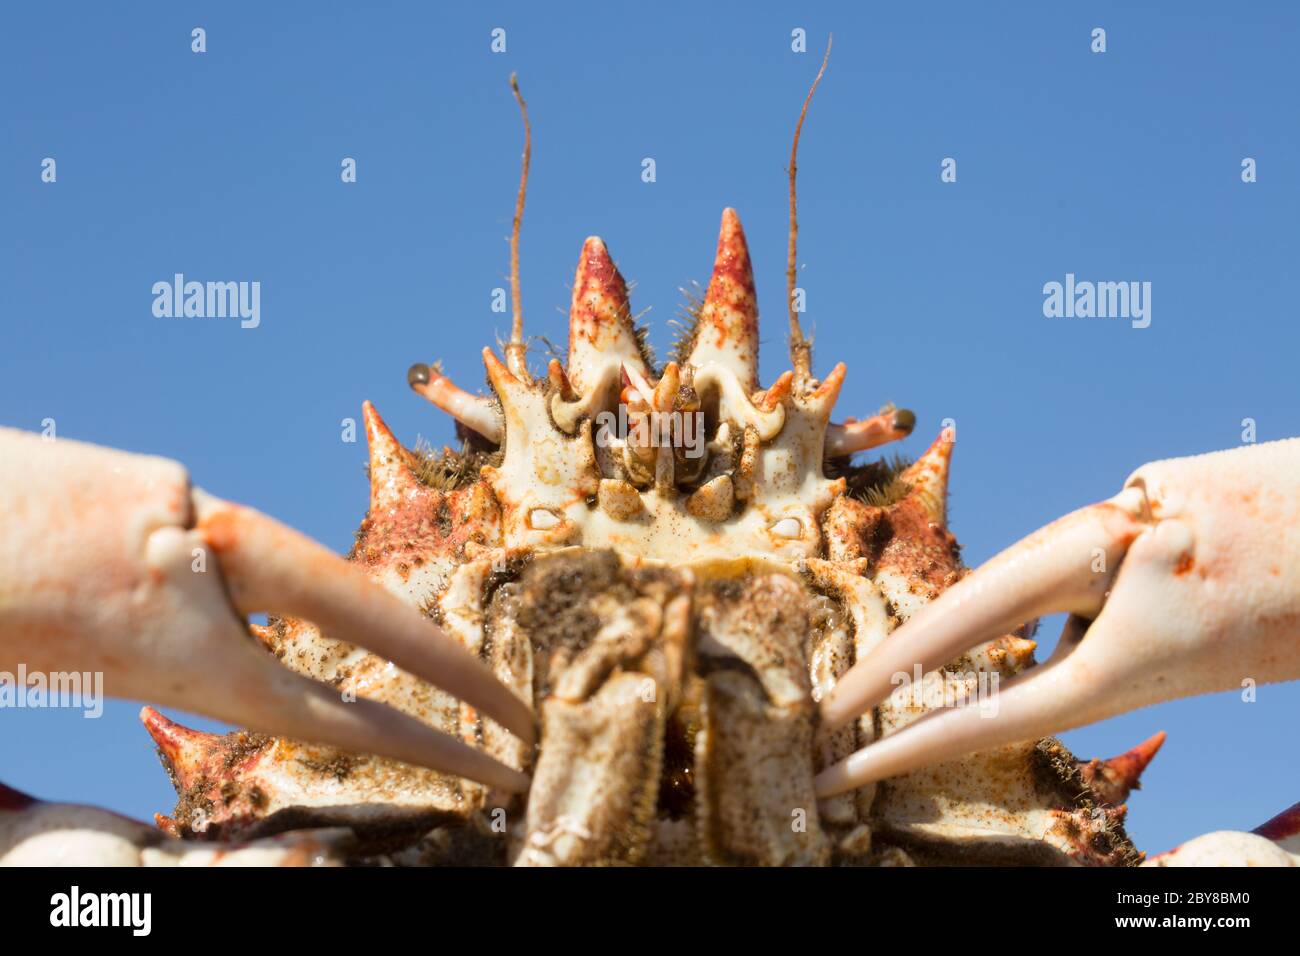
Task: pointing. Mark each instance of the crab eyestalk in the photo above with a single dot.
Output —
(854, 435)
(475, 412)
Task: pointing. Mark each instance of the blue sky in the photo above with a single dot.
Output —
(225, 166)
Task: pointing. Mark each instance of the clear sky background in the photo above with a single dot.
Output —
(225, 166)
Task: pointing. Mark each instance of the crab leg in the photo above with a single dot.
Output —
(113, 564)
(36, 833)
(1187, 582)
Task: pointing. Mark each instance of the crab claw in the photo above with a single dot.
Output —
(1283, 829)
(1187, 582)
(112, 563)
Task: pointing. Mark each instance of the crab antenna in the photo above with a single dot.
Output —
(800, 348)
(516, 350)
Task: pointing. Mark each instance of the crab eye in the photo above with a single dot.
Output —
(542, 519)
(788, 528)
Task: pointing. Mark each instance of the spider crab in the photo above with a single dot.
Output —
(585, 638)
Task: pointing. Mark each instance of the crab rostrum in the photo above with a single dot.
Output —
(672, 566)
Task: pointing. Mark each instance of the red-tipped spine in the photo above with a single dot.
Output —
(1112, 780)
(728, 326)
